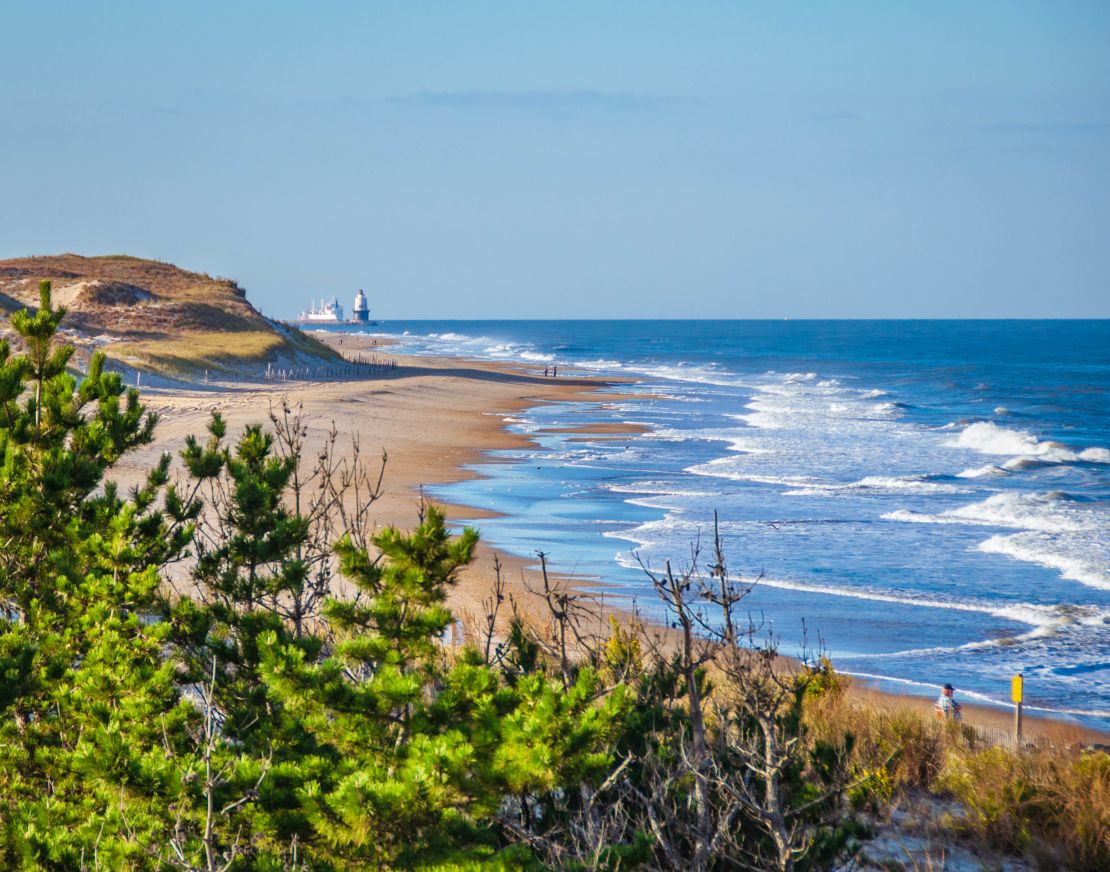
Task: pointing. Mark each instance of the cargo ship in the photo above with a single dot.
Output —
(332, 312)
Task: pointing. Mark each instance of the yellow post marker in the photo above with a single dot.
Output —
(1017, 694)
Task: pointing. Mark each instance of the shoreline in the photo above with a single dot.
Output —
(449, 415)
(433, 417)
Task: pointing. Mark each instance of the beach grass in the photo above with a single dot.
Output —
(1048, 802)
(207, 292)
(187, 355)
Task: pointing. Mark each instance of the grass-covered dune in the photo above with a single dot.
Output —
(156, 316)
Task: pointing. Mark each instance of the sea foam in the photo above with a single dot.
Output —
(921, 484)
(1075, 560)
(1057, 532)
(986, 437)
(1051, 512)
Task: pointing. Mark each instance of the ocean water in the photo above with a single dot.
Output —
(929, 499)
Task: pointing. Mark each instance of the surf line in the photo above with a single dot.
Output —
(979, 697)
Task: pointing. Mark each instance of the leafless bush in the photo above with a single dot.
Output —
(728, 776)
(334, 495)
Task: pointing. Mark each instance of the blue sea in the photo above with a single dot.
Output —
(930, 499)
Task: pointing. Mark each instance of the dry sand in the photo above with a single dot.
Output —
(432, 417)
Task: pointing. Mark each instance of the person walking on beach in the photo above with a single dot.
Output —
(545, 371)
(555, 371)
(946, 706)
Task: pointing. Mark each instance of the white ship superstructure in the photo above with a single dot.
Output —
(332, 312)
(328, 313)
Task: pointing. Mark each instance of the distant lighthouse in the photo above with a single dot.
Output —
(362, 308)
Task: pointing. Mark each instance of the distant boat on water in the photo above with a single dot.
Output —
(332, 312)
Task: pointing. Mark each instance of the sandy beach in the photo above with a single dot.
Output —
(432, 417)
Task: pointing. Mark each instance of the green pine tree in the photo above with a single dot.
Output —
(429, 748)
(89, 708)
(248, 569)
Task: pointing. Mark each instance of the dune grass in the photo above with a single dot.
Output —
(189, 354)
(207, 292)
(1049, 803)
(193, 352)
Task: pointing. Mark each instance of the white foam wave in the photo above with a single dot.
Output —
(1088, 567)
(670, 434)
(481, 347)
(658, 494)
(1047, 512)
(969, 694)
(581, 456)
(1088, 713)
(601, 364)
(799, 404)
(800, 485)
(909, 682)
(1056, 532)
(667, 500)
(912, 517)
(978, 697)
(987, 471)
(702, 375)
(720, 468)
(1037, 616)
(1044, 620)
(525, 424)
(765, 415)
(643, 535)
(662, 488)
(653, 396)
(1023, 462)
(1039, 631)
(881, 484)
(986, 437)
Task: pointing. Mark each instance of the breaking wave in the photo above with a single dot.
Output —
(1058, 532)
(986, 437)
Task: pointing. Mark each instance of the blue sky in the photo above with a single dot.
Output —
(728, 159)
